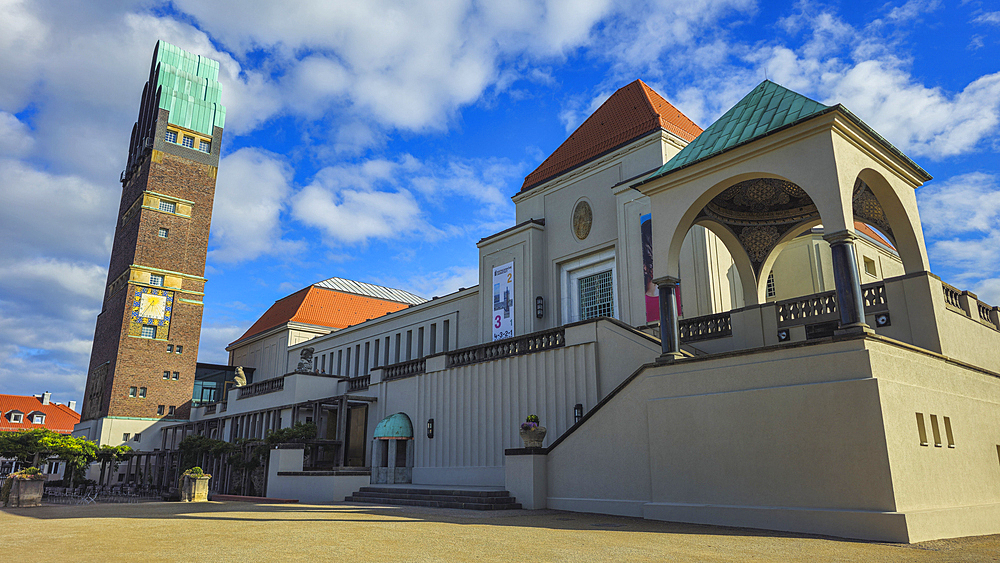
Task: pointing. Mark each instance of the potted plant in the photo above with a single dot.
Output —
(194, 485)
(24, 488)
(531, 433)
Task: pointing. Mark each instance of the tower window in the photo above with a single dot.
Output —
(596, 299)
(164, 232)
(125, 437)
(172, 410)
(159, 410)
(180, 349)
(771, 291)
(142, 392)
(171, 136)
(188, 142)
(137, 437)
(170, 348)
(148, 331)
(168, 206)
(131, 391)
(176, 376)
(166, 375)
(205, 146)
(156, 280)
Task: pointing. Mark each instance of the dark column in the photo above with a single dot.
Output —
(669, 332)
(341, 430)
(850, 302)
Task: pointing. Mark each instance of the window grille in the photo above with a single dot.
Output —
(155, 279)
(771, 292)
(168, 206)
(164, 232)
(171, 136)
(205, 146)
(596, 296)
(189, 142)
(148, 331)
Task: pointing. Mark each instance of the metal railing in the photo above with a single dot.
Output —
(262, 387)
(527, 344)
(706, 327)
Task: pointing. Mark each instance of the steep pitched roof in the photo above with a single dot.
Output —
(767, 107)
(334, 303)
(630, 113)
(58, 418)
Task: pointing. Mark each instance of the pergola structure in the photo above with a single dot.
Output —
(771, 168)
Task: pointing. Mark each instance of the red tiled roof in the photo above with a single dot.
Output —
(322, 307)
(864, 228)
(58, 418)
(631, 112)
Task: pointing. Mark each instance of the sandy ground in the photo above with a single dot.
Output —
(235, 531)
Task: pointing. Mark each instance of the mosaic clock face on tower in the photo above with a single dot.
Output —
(151, 307)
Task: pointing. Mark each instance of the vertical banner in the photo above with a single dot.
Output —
(652, 292)
(503, 301)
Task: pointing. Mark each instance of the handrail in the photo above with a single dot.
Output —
(262, 387)
(705, 327)
(519, 345)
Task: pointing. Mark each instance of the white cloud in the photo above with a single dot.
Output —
(442, 282)
(575, 112)
(249, 197)
(15, 136)
(961, 217)
(988, 17)
(214, 339)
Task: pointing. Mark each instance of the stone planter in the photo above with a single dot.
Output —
(194, 489)
(533, 437)
(25, 492)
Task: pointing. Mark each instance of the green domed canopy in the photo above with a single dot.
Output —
(394, 427)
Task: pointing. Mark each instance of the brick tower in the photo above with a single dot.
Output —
(142, 364)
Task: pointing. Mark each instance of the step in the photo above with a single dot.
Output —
(435, 504)
(434, 491)
(438, 497)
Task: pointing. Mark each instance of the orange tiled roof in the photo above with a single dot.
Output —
(864, 228)
(322, 307)
(58, 418)
(631, 112)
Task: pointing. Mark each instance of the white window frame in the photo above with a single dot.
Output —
(39, 418)
(142, 331)
(570, 273)
(16, 418)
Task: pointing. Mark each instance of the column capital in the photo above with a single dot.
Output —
(840, 237)
(667, 280)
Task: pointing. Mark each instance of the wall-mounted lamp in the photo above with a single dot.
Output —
(430, 427)
(577, 413)
(539, 307)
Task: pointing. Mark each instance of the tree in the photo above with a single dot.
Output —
(42, 443)
(111, 456)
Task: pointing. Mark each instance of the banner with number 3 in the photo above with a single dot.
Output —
(503, 301)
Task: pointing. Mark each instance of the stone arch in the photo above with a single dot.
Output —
(902, 224)
(740, 258)
(788, 237)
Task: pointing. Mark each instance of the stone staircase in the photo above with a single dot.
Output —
(466, 498)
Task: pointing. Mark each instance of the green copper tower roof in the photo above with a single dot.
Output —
(190, 88)
(766, 108)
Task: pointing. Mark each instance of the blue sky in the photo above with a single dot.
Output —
(379, 141)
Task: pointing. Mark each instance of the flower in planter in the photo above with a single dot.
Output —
(196, 472)
(530, 422)
(29, 474)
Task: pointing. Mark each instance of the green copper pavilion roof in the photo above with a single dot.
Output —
(767, 107)
(394, 426)
(190, 89)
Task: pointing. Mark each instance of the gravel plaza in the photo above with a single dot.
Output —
(238, 531)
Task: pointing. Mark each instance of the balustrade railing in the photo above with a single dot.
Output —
(707, 327)
(210, 409)
(822, 307)
(404, 369)
(952, 296)
(527, 344)
(262, 387)
(359, 383)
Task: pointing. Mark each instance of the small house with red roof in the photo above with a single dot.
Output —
(30, 412)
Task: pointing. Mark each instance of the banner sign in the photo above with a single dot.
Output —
(503, 301)
(652, 293)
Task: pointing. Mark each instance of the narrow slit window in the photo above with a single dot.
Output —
(771, 291)
(142, 392)
(921, 429)
(870, 267)
(936, 430)
(447, 333)
(947, 432)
